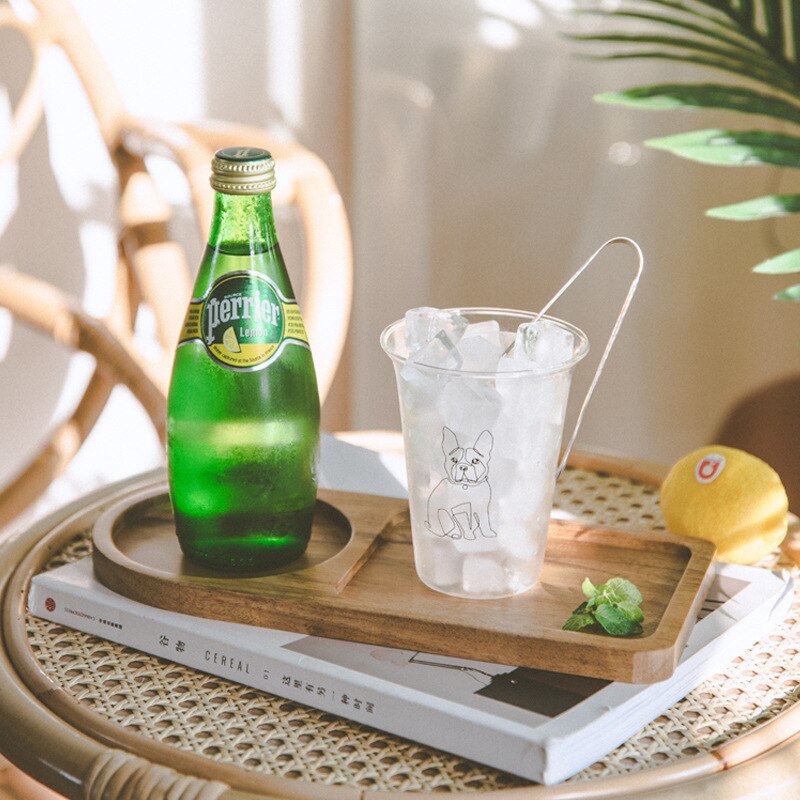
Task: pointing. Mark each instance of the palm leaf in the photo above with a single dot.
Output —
(745, 59)
(709, 14)
(747, 12)
(715, 63)
(754, 40)
(794, 14)
(719, 33)
(704, 95)
(773, 17)
(733, 148)
(725, 23)
(784, 264)
(771, 206)
(790, 293)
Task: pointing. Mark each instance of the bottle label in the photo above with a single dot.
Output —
(244, 321)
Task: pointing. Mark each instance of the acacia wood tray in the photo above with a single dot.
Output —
(357, 581)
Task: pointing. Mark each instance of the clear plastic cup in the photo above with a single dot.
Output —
(482, 452)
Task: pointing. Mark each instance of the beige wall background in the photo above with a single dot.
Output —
(476, 171)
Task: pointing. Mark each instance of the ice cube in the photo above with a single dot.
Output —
(481, 346)
(490, 329)
(507, 339)
(418, 387)
(525, 502)
(468, 407)
(544, 343)
(480, 544)
(418, 323)
(523, 541)
(530, 400)
(450, 323)
(507, 363)
(437, 562)
(439, 352)
(479, 354)
(425, 324)
(483, 575)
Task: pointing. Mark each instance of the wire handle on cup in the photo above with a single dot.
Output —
(617, 325)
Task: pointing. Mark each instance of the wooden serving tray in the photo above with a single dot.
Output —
(357, 581)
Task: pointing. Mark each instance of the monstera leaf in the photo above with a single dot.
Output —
(753, 40)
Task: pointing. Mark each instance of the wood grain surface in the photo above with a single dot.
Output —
(357, 582)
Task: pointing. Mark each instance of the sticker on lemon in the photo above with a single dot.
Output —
(730, 498)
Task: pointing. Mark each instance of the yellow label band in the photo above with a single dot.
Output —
(191, 324)
(294, 323)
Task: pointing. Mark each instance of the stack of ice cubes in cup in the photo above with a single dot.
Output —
(480, 502)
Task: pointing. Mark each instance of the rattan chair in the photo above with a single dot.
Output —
(151, 269)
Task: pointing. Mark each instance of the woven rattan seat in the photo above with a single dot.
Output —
(251, 741)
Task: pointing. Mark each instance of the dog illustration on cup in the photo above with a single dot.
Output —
(459, 505)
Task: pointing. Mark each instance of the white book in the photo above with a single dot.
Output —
(541, 726)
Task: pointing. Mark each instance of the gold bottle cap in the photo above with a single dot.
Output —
(242, 170)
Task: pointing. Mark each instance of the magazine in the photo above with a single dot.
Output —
(539, 725)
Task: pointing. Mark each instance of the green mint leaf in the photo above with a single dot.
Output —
(589, 590)
(614, 621)
(622, 590)
(631, 610)
(581, 609)
(578, 621)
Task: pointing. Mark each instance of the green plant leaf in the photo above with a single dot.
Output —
(707, 12)
(681, 42)
(765, 76)
(746, 60)
(784, 264)
(614, 621)
(718, 32)
(588, 589)
(794, 23)
(733, 148)
(791, 293)
(772, 205)
(703, 95)
(773, 18)
(623, 591)
(631, 610)
(747, 12)
(578, 621)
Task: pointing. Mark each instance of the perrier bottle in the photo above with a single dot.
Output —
(243, 408)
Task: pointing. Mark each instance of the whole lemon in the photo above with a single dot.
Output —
(729, 497)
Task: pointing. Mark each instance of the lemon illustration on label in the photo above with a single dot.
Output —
(230, 341)
(244, 321)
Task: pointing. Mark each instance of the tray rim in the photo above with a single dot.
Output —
(661, 644)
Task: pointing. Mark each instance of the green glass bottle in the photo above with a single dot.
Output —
(243, 407)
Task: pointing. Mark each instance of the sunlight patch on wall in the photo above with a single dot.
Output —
(5, 333)
(163, 76)
(99, 247)
(523, 13)
(498, 33)
(74, 141)
(624, 154)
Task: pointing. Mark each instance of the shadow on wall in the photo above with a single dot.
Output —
(39, 236)
(766, 423)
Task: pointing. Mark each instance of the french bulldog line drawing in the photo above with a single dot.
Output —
(459, 505)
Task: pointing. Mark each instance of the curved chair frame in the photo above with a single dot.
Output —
(151, 269)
